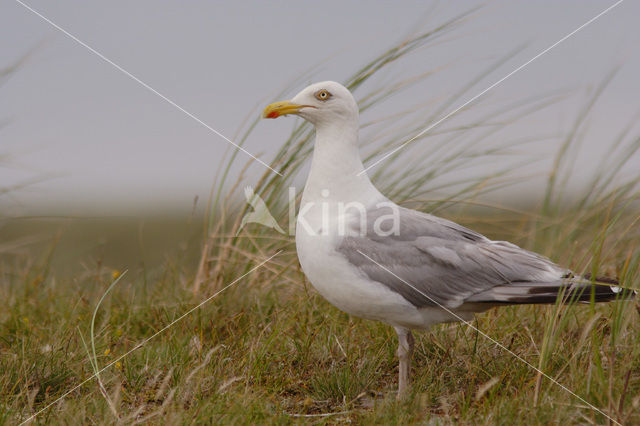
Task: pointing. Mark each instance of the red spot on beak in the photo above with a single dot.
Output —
(273, 114)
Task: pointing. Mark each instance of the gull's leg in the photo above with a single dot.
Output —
(405, 351)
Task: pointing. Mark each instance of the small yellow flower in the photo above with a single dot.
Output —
(118, 332)
(307, 402)
(107, 352)
(119, 365)
(115, 274)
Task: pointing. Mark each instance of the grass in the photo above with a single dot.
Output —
(266, 350)
(270, 350)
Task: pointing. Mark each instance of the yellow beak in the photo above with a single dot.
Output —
(277, 109)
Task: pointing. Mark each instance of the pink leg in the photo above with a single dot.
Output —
(405, 351)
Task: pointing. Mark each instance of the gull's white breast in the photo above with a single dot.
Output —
(337, 280)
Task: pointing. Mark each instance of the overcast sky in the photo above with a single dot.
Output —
(107, 144)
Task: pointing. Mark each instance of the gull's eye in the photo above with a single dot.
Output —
(322, 95)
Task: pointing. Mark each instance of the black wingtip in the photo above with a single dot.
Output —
(581, 291)
(609, 286)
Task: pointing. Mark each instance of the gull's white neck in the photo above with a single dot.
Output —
(337, 167)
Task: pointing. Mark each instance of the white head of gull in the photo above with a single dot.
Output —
(374, 259)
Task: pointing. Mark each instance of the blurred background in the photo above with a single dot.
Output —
(82, 140)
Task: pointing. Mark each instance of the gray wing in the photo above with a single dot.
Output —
(447, 262)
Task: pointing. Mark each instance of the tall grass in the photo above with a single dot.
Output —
(270, 350)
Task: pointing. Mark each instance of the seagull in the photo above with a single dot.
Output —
(377, 260)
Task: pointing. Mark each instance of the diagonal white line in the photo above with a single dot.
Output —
(491, 87)
(142, 83)
(500, 345)
(141, 344)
